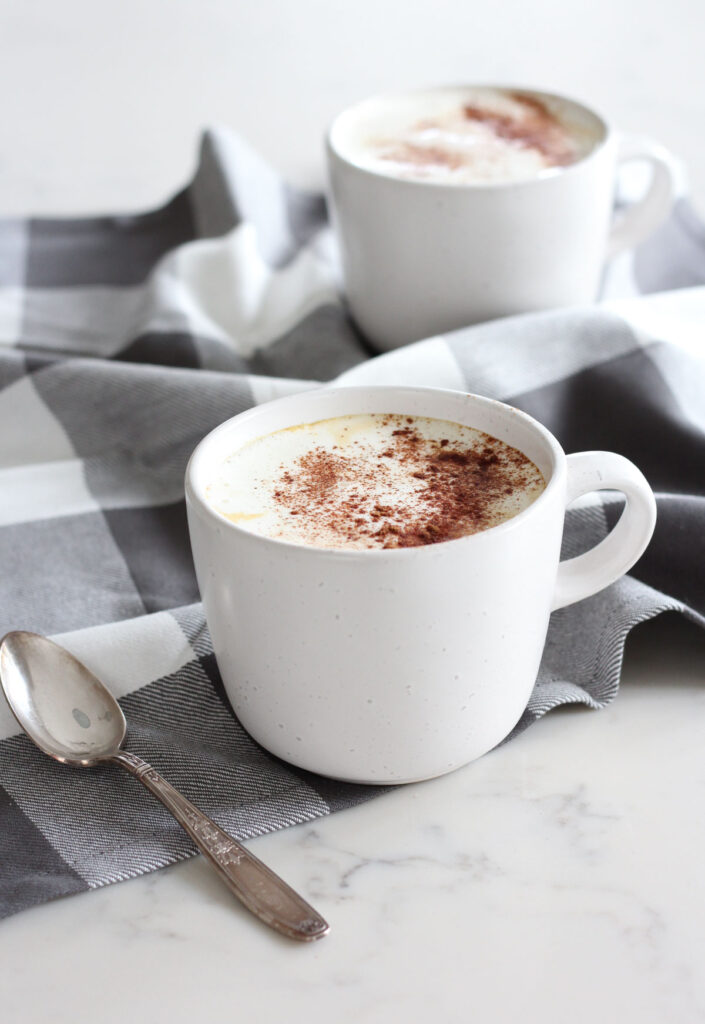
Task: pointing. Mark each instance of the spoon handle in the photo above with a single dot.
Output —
(262, 892)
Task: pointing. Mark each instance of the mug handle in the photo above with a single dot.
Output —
(594, 570)
(641, 218)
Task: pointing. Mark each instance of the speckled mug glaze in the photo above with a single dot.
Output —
(398, 665)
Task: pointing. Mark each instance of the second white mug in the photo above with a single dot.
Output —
(421, 256)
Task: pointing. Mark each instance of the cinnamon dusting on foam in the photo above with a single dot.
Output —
(539, 129)
(496, 135)
(375, 481)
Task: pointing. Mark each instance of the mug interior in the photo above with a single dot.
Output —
(381, 116)
(495, 418)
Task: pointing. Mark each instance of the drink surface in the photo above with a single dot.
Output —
(471, 136)
(374, 481)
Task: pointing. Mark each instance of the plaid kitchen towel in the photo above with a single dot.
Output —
(127, 338)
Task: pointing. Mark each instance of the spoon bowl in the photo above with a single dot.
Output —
(59, 703)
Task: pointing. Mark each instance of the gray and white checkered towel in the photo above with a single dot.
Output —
(125, 339)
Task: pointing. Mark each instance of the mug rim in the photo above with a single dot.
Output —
(549, 174)
(195, 489)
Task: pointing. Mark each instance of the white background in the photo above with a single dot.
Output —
(103, 101)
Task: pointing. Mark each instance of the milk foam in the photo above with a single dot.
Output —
(468, 136)
(372, 481)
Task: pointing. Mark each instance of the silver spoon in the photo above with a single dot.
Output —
(73, 718)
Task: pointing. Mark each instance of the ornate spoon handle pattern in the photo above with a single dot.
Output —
(254, 884)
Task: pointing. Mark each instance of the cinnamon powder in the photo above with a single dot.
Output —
(457, 490)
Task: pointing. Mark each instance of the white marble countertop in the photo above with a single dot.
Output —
(558, 878)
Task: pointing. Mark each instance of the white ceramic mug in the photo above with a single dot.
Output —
(421, 257)
(398, 665)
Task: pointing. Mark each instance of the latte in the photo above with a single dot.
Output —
(475, 135)
(373, 481)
